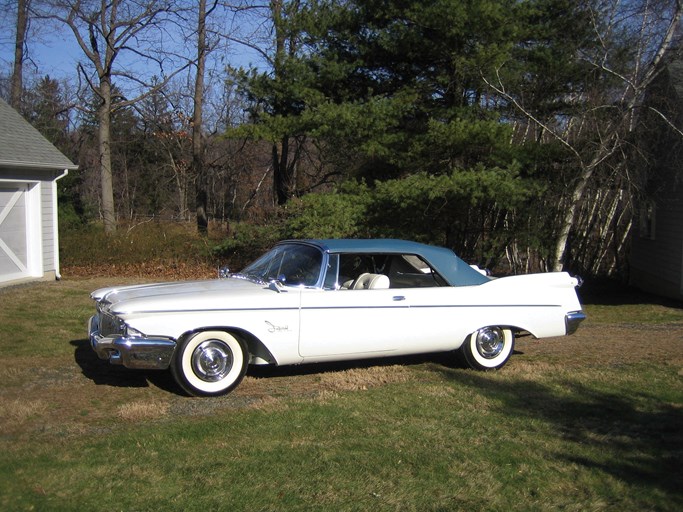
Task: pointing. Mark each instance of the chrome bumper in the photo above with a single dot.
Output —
(572, 321)
(131, 352)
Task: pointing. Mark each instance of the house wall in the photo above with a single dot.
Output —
(657, 257)
(657, 245)
(48, 203)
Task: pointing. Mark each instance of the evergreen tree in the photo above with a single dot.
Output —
(46, 108)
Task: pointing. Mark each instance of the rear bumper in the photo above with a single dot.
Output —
(572, 321)
(131, 351)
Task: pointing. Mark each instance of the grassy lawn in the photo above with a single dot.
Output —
(587, 422)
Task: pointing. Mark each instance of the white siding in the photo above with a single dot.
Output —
(48, 220)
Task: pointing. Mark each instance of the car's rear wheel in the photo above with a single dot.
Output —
(210, 363)
(489, 348)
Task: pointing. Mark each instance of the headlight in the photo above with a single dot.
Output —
(111, 325)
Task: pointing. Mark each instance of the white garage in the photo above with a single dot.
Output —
(29, 169)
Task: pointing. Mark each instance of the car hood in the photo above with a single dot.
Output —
(180, 296)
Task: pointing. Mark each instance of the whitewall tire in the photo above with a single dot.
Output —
(210, 363)
(489, 348)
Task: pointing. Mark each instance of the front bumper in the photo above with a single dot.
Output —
(131, 351)
(572, 321)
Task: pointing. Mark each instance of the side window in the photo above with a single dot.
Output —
(300, 266)
(403, 270)
(352, 266)
(409, 271)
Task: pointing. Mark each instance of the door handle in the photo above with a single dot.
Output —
(399, 297)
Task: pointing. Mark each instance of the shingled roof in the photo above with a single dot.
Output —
(22, 146)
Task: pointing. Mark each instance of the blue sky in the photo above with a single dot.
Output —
(55, 52)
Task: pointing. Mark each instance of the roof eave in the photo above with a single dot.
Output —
(39, 166)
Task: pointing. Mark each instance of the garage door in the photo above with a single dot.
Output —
(14, 250)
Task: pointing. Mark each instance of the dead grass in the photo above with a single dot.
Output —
(11, 374)
(159, 270)
(357, 379)
(17, 411)
(267, 403)
(143, 411)
(87, 393)
(66, 389)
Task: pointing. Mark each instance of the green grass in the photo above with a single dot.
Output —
(450, 440)
(640, 313)
(39, 317)
(609, 302)
(543, 434)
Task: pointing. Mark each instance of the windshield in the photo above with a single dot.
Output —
(291, 264)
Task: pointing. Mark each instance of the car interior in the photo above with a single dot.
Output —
(382, 271)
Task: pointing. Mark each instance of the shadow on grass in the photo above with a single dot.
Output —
(606, 292)
(636, 437)
(447, 359)
(104, 373)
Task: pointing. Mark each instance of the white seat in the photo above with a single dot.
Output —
(369, 281)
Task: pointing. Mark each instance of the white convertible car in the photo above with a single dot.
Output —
(308, 301)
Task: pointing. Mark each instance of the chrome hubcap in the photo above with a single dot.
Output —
(490, 342)
(212, 360)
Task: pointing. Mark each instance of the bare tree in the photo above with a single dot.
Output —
(198, 166)
(19, 44)
(599, 130)
(108, 32)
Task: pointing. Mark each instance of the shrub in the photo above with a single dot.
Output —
(247, 242)
(340, 214)
(143, 242)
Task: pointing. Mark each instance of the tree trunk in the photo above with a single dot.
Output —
(569, 215)
(282, 173)
(19, 40)
(197, 140)
(104, 142)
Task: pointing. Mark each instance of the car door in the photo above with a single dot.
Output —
(348, 324)
(439, 317)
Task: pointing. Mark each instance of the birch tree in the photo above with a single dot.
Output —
(634, 39)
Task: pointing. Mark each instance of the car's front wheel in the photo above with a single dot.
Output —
(489, 348)
(210, 363)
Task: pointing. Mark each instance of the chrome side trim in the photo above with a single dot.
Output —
(131, 352)
(572, 321)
